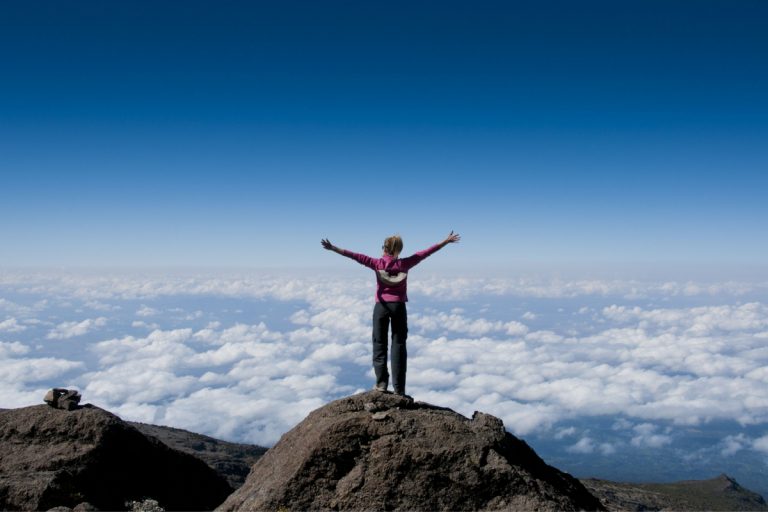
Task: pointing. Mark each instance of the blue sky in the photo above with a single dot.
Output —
(240, 133)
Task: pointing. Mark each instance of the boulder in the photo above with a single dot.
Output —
(377, 451)
(58, 458)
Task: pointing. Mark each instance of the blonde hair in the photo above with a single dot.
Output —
(393, 245)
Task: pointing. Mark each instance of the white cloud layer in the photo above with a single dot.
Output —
(652, 364)
(101, 287)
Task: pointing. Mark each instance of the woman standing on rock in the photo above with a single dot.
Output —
(391, 296)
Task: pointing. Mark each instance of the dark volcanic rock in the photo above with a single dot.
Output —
(376, 451)
(52, 457)
(720, 493)
(233, 461)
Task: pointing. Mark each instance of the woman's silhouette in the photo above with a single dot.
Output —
(391, 287)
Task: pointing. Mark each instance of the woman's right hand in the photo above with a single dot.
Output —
(327, 244)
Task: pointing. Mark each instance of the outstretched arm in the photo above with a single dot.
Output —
(360, 258)
(412, 261)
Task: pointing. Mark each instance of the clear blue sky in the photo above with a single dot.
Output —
(240, 133)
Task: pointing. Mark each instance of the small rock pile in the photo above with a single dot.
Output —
(60, 398)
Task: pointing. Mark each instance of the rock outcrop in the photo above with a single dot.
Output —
(52, 457)
(376, 451)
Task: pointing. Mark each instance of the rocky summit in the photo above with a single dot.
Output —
(378, 451)
(88, 458)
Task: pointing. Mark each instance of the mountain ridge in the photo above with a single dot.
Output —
(614, 495)
(720, 493)
(36, 425)
(231, 460)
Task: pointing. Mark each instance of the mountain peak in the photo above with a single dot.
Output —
(381, 451)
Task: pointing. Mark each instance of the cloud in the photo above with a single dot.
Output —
(761, 444)
(11, 325)
(7, 305)
(586, 442)
(463, 288)
(67, 330)
(159, 377)
(433, 378)
(733, 444)
(698, 321)
(338, 352)
(647, 437)
(12, 349)
(237, 334)
(141, 369)
(144, 325)
(443, 322)
(585, 445)
(565, 432)
(235, 414)
(15, 308)
(100, 306)
(146, 311)
(14, 372)
(664, 374)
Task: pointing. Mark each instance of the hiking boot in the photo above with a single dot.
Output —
(382, 388)
(402, 394)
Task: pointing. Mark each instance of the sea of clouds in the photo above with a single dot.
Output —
(598, 367)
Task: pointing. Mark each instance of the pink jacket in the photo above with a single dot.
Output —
(391, 273)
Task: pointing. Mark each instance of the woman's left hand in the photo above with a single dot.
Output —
(452, 238)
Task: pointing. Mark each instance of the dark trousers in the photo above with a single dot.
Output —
(383, 314)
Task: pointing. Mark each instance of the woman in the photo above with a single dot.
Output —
(391, 296)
